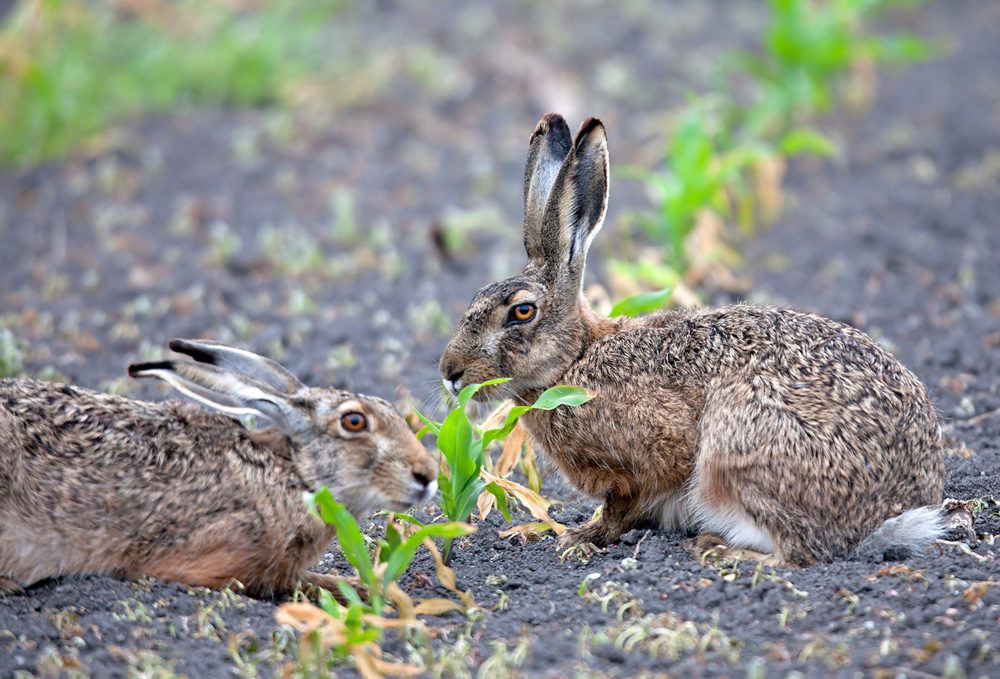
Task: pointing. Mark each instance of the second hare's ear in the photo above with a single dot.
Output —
(574, 211)
(229, 392)
(241, 361)
(550, 144)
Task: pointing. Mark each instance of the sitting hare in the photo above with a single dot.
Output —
(98, 483)
(765, 428)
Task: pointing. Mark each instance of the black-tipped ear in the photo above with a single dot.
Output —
(550, 144)
(228, 391)
(239, 360)
(138, 369)
(577, 203)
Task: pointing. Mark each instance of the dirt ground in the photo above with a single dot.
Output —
(312, 240)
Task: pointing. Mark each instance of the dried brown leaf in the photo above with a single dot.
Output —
(446, 576)
(535, 503)
(438, 607)
(526, 529)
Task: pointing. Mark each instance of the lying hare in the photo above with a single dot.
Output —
(93, 482)
(765, 428)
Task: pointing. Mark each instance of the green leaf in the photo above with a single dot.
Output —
(348, 534)
(329, 604)
(801, 140)
(350, 594)
(641, 303)
(403, 556)
(429, 425)
(501, 498)
(393, 539)
(553, 397)
(466, 394)
(455, 442)
(562, 395)
(467, 501)
(355, 611)
(491, 435)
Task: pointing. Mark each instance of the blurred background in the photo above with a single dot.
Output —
(330, 182)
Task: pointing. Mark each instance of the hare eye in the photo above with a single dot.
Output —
(522, 313)
(354, 422)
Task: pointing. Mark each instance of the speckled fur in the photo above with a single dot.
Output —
(778, 429)
(93, 482)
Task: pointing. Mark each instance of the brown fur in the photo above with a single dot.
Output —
(792, 430)
(93, 482)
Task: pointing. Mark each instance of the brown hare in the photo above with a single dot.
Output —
(93, 482)
(765, 428)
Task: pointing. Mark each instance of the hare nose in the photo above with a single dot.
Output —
(455, 377)
(422, 479)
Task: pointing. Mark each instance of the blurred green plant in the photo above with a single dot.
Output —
(463, 447)
(393, 555)
(707, 166)
(702, 168)
(334, 631)
(642, 303)
(12, 353)
(727, 159)
(69, 68)
(807, 49)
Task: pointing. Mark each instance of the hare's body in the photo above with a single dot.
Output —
(93, 482)
(168, 491)
(778, 431)
(717, 401)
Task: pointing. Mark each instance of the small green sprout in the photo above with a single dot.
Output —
(462, 445)
(394, 554)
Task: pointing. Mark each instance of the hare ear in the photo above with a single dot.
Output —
(574, 211)
(241, 361)
(229, 392)
(550, 144)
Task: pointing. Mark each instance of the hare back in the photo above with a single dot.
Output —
(97, 482)
(767, 422)
(67, 433)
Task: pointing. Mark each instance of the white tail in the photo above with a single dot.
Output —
(915, 529)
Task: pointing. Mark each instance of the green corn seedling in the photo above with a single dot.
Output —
(462, 445)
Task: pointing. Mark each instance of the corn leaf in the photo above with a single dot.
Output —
(348, 534)
(403, 555)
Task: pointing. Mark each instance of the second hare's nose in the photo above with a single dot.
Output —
(426, 487)
(455, 377)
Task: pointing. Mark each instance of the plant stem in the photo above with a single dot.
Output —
(446, 552)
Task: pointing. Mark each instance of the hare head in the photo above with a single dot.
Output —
(531, 327)
(358, 446)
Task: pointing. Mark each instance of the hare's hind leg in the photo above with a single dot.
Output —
(760, 480)
(738, 506)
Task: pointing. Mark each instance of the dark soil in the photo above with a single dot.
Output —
(170, 233)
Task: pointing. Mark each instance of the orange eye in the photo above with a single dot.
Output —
(522, 313)
(354, 422)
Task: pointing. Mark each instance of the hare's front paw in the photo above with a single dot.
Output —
(596, 534)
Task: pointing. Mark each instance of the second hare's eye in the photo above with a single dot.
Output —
(521, 313)
(354, 422)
